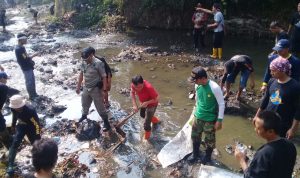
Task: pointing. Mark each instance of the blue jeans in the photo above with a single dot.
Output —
(30, 83)
(244, 77)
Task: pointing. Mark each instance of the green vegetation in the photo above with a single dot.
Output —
(94, 12)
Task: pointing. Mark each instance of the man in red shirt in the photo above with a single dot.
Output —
(148, 97)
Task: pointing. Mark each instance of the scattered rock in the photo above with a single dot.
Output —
(151, 50)
(56, 109)
(4, 48)
(125, 91)
(80, 33)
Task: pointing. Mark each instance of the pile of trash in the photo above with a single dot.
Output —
(70, 167)
(62, 127)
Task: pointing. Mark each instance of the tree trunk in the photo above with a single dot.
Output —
(59, 8)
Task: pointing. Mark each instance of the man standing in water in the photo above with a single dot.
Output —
(276, 158)
(199, 19)
(208, 115)
(283, 96)
(295, 34)
(218, 27)
(92, 71)
(148, 97)
(27, 65)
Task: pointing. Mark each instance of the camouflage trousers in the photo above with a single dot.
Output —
(206, 127)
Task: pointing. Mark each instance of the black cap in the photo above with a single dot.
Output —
(197, 72)
(3, 75)
(21, 36)
(86, 52)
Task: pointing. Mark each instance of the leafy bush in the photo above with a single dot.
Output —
(95, 11)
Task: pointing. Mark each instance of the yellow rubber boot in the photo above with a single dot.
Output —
(214, 53)
(147, 135)
(220, 52)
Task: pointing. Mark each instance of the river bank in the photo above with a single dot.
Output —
(166, 67)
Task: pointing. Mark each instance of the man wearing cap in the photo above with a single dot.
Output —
(28, 124)
(218, 27)
(5, 138)
(95, 85)
(283, 96)
(199, 19)
(295, 34)
(148, 97)
(27, 65)
(208, 115)
(282, 48)
(232, 67)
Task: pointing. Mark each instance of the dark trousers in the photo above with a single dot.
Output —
(199, 35)
(30, 131)
(147, 114)
(30, 83)
(5, 137)
(218, 39)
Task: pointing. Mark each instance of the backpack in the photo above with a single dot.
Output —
(106, 66)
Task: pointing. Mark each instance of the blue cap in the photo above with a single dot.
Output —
(3, 75)
(281, 44)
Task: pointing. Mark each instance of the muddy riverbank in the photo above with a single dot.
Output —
(163, 58)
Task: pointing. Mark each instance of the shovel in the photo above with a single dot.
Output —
(121, 123)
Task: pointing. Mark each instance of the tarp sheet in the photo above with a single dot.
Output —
(177, 148)
(214, 172)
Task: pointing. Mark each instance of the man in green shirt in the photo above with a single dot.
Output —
(208, 115)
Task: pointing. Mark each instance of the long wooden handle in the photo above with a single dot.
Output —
(120, 124)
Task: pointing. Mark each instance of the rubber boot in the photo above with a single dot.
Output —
(83, 117)
(147, 135)
(11, 159)
(155, 120)
(214, 53)
(207, 158)
(220, 53)
(196, 153)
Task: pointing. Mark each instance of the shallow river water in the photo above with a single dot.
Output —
(171, 84)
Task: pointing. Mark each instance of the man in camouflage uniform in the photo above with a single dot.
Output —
(208, 114)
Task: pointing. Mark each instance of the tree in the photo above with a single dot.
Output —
(60, 8)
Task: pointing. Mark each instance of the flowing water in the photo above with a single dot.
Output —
(171, 84)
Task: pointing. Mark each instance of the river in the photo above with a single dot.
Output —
(168, 74)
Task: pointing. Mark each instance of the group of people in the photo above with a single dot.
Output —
(34, 12)
(276, 120)
(199, 20)
(95, 73)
